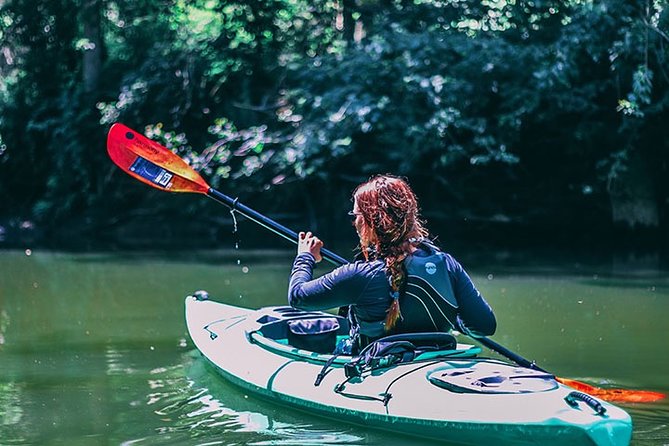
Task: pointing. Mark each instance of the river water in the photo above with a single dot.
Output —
(94, 348)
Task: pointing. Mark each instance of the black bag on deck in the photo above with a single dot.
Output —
(316, 335)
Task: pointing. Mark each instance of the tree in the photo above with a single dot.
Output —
(535, 113)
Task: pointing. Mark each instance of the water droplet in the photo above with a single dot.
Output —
(234, 221)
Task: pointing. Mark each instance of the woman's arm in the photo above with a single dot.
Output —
(342, 286)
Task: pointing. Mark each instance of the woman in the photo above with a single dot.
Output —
(404, 283)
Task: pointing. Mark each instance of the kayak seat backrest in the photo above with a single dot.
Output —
(425, 341)
(400, 348)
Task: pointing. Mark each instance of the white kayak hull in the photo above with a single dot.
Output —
(228, 337)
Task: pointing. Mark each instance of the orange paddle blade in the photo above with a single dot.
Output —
(614, 395)
(151, 163)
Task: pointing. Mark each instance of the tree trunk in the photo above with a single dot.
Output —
(92, 59)
(633, 200)
(349, 22)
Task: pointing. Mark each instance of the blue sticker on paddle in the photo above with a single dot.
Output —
(156, 174)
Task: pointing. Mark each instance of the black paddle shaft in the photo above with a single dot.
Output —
(268, 223)
(492, 345)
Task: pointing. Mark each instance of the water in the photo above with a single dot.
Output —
(94, 349)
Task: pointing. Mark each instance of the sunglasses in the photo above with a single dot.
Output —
(354, 216)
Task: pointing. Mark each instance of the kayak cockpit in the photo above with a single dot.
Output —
(286, 331)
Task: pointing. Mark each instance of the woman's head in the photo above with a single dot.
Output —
(387, 216)
(389, 225)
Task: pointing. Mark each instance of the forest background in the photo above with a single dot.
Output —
(538, 124)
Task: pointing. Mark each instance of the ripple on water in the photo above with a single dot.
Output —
(650, 424)
(203, 409)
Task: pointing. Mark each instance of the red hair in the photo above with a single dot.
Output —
(391, 227)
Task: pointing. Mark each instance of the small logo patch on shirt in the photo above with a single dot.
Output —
(430, 268)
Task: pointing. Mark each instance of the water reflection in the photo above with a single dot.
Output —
(4, 325)
(197, 405)
(651, 423)
(11, 412)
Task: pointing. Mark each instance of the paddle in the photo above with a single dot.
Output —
(157, 166)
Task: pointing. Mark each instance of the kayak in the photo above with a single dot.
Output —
(420, 385)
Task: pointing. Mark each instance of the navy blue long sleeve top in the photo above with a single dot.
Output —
(365, 287)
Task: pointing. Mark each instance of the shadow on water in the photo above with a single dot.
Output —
(649, 284)
(532, 262)
(212, 257)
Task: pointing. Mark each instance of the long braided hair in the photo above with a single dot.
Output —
(389, 227)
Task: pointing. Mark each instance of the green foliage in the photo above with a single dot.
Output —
(404, 101)
(511, 108)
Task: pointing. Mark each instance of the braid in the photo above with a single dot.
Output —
(391, 228)
(397, 278)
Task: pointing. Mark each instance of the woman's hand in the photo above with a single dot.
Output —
(307, 242)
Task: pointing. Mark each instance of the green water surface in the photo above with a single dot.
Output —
(94, 348)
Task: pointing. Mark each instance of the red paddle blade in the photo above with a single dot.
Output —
(151, 163)
(614, 395)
